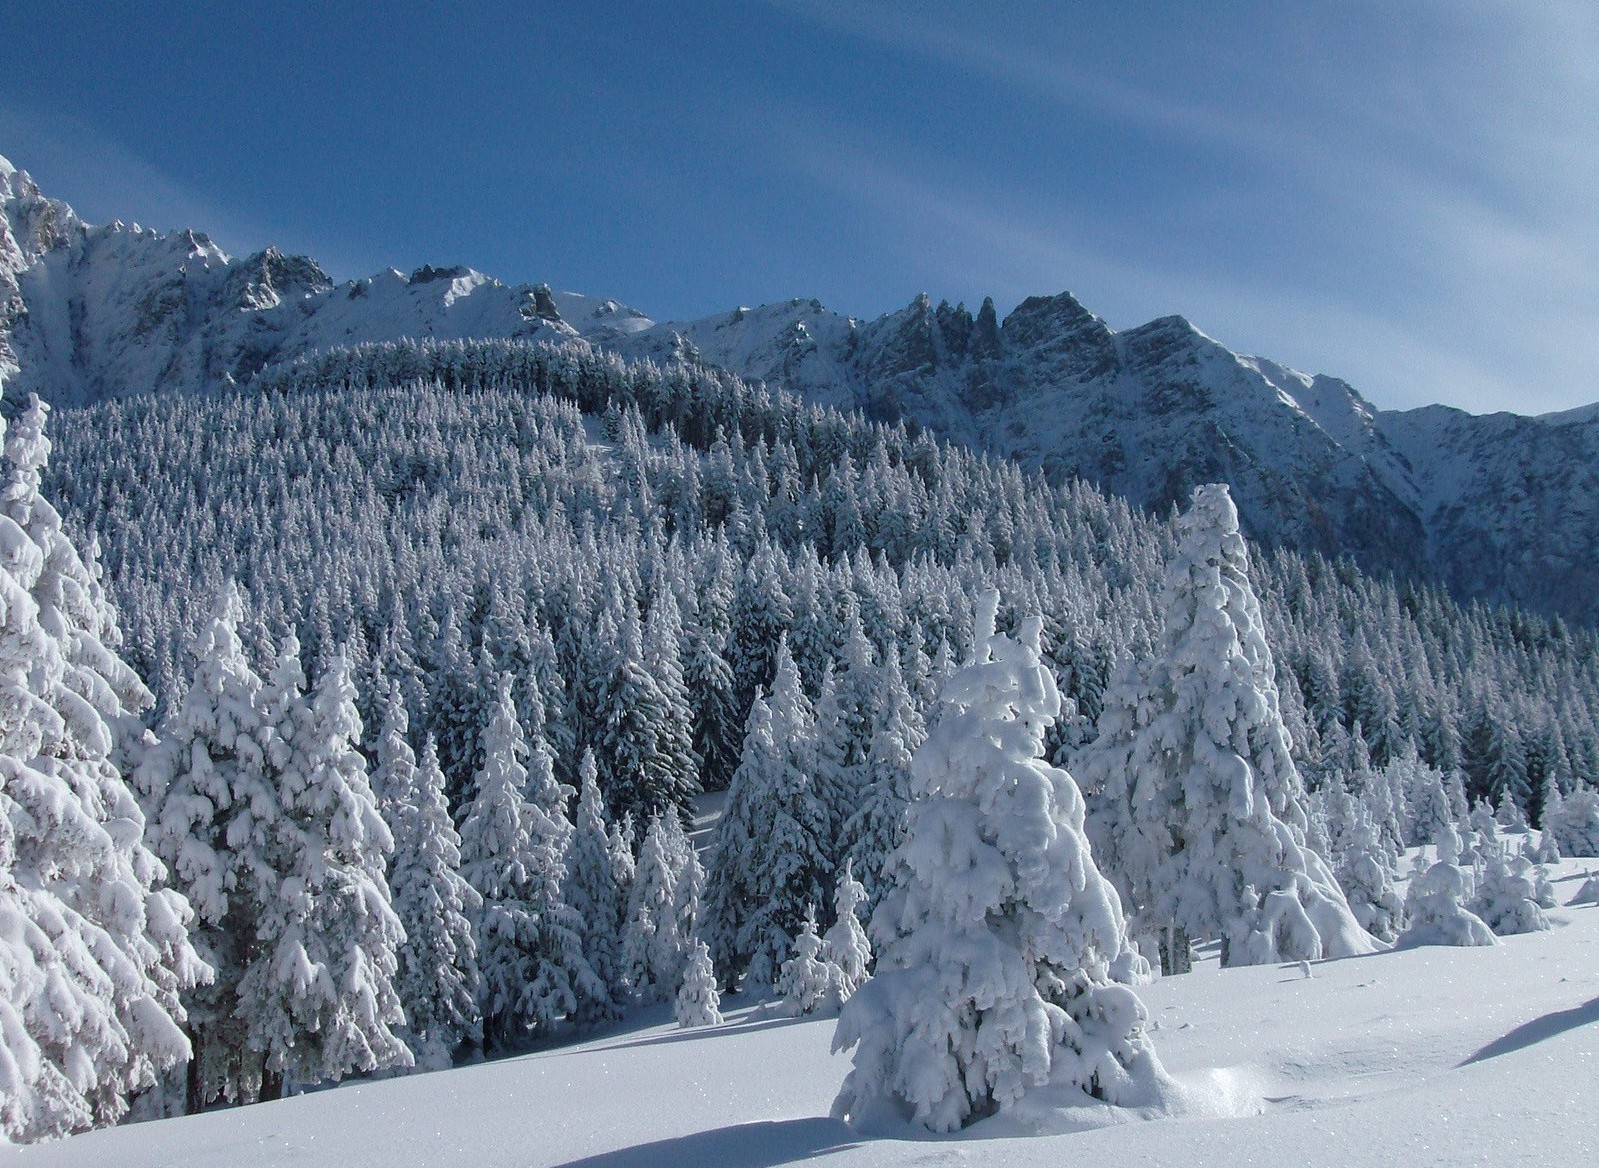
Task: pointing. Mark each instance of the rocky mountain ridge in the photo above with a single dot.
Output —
(1502, 507)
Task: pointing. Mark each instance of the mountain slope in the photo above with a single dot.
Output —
(1501, 508)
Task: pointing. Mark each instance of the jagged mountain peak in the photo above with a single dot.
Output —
(1503, 507)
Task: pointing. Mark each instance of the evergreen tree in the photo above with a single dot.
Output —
(215, 814)
(1365, 875)
(1574, 824)
(1001, 932)
(1435, 906)
(768, 861)
(654, 946)
(321, 1003)
(499, 859)
(437, 980)
(877, 825)
(96, 949)
(1507, 898)
(698, 1003)
(809, 982)
(1199, 775)
(593, 890)
(845, 945)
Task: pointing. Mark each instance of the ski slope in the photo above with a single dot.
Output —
(1420, 1057)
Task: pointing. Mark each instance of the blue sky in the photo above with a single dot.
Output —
(1403, 194)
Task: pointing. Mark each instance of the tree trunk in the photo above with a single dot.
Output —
(1175, 956)
(271, 1085)
(193, 1102)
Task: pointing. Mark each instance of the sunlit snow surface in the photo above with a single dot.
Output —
(1428, 1056)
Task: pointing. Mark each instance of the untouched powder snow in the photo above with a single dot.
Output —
(1419, 1057)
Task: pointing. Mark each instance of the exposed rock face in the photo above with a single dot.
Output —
(1504, 508)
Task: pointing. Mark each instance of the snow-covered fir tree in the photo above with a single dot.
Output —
(768, 861)
(698, 1003)
(1197, 789)
(809, 982)
(513, 846)
(594, 891)
(845, 944)
(654, 942)
(1506, 898)
(437, 978)
(1435, 908)
(1365, 873)
(499, 858)
(95, 948)
(999, 930)
(320, 1002)
(215, 814)
(1574, 823)
(875, 828)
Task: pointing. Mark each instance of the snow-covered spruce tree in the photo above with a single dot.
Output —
(653, 948)
(698, 1003)
(1427, 797)
(1000, 931)
(513, 843)
(1435, 907)
(215, 814)
(499, 860)
(593, 890)
(1365, 873)
(646, 763)
(437, 978)
(1574, 823)
(768, 863)
(1507, 898)
(845, 944)
(1210, 803)
(809, 983)
(320, 1002)
(877, 825)
(1548, 851)
(96, 949)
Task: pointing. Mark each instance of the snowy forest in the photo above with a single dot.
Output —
(356, 721)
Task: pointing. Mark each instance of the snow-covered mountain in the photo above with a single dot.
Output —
(1504, 508)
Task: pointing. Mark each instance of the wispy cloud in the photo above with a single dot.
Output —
(1439, 240)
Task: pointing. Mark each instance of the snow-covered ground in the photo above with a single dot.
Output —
(1426, 1056)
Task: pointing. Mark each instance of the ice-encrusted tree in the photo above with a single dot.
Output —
(593, 890)
(95, 947)
(437, 979)
(1198, 787)
(1000, 931)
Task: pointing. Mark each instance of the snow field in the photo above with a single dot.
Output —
(1426, 1056)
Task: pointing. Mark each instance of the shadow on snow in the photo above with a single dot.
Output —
(751, 1145)
(1538, 1030)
